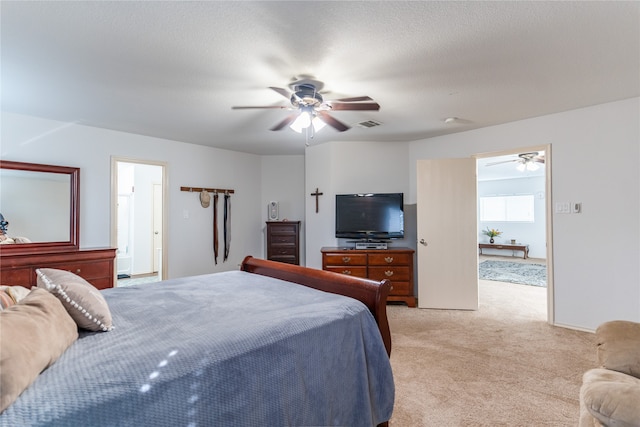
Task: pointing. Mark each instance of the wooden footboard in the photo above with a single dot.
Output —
(371, 293)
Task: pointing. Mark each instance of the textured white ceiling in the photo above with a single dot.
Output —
(175, 69)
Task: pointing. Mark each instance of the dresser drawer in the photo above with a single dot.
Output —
(283, 250)
(349, 270)
(390, 259)
(291, 259)
(284, 228)
(345, 259)
(400, 288)
(392, 273)
(16, 277)
(102, 283)
(283, 239)
(86, 270)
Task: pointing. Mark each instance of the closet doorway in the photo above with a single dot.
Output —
(138, 200)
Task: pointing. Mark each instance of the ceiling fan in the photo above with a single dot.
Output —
(526, 161)
(310, 109)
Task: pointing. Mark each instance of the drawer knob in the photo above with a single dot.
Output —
(346, 271)
(78, 271)
(388, 273)
(346, 259)
(389, 259)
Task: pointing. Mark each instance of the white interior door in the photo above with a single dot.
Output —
(447, 234)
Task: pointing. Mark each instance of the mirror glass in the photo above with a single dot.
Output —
(39, 202)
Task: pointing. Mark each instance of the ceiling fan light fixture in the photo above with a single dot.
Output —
(531, 166)
(303, 121)
(318, 124)
(311, 110)
(527, 165)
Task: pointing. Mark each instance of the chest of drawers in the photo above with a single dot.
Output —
(96, 266)
(394, 264)
(283, 241)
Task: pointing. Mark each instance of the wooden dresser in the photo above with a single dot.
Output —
(394, 264)
(283, 241)
(94, 265)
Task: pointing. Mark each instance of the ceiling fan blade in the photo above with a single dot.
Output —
(279, 107)
(371, 106)
(286, 122)
(336, 124)
(354, 99)
(538, 159)
(504, 161)
(281, 91)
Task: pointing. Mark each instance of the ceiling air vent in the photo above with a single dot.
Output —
(369, 124)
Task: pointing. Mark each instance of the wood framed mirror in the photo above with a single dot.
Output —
(40, 204)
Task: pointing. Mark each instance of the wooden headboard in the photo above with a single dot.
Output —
(371, 293)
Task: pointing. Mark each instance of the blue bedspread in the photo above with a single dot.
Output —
(225, 349)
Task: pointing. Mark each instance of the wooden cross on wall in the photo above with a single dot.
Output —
(316, 194)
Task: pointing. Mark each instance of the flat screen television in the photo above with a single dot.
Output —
(371, 216)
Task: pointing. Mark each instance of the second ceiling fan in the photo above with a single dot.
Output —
(526, 161)
(310, 109)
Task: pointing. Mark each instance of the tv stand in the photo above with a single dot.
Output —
(394, 264)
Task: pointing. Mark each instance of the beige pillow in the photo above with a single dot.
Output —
(33, 335)
(83, 301)
(16, 292)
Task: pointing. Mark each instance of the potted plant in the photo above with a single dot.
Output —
(491, 232)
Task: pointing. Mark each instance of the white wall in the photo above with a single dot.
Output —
(348, 167)
(533, 233)
(283, 181)
(36, 140)
(594, 160)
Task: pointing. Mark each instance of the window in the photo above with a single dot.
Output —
(507, 208)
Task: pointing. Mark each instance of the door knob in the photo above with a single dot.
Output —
(423, 242)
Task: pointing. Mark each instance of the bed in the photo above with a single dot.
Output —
(240, 348)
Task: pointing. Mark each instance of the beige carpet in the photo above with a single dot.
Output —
(502, 365)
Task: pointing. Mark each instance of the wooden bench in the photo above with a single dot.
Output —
(513, 247)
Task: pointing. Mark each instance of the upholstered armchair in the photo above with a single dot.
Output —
(610, 394)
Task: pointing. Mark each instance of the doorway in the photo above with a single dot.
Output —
(443, 247)
(512, 200)
(138, 195)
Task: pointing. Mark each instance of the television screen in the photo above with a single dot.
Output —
(370, 216)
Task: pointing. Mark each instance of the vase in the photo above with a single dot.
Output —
(491, 240)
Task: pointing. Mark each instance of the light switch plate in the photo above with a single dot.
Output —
(563, 208)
